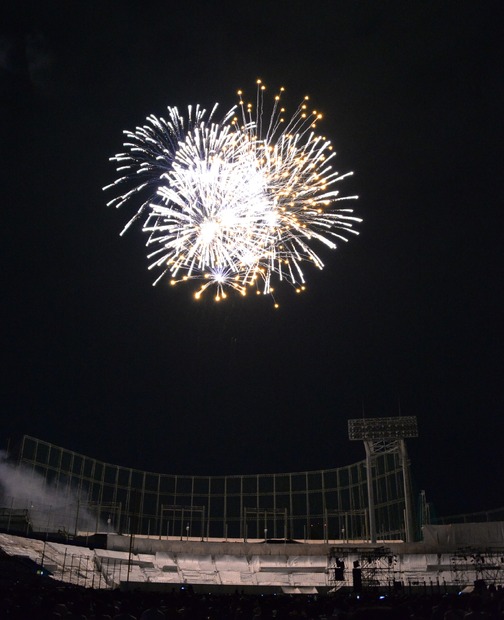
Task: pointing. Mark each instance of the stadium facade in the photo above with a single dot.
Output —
(85, 494)
(107, 526)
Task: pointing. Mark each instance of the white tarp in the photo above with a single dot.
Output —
(307, 562)
(464, 534)
(231, 563)
(199, 576)
(273, 579)
(165, 561)
(312, 579)
(195, 562)
(230, 577)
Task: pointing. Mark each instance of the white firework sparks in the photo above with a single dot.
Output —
(235, 203)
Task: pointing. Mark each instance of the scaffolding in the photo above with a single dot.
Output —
(370, 567)
(470, 565)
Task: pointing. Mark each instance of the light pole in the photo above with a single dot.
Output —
(381, 436)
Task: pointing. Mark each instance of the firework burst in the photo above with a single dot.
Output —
(233, 203)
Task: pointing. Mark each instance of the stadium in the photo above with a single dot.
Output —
(98, 525)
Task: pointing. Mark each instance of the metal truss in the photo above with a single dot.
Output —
(376, 566)
(470, 564)
(397, 427)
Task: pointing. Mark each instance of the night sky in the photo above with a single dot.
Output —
(406, 318)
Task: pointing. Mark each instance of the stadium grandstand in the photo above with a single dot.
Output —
(94, 524)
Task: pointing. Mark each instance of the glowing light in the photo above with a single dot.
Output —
(236, 202)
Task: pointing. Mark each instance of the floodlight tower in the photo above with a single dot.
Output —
(382, 435)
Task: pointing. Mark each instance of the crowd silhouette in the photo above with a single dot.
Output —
(46, 599)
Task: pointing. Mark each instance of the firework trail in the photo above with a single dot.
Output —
(234, 203)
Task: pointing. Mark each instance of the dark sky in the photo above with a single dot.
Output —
(406, 317)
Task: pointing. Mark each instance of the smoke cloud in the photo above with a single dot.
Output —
(49, 509)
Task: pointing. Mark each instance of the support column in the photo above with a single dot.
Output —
(370, 490)
(408, 512)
